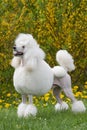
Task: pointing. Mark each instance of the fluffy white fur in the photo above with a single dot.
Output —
(30, 110)
(62, 82)
(59, 71)
(32, 76)
(65, 60)
(16, 61)
(78, 106)
(21, 109)
(62, 106)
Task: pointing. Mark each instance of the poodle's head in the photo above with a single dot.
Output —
(23, 43)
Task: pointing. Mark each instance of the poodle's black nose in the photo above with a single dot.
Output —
(14, 47)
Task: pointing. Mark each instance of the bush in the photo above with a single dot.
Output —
(55, 24)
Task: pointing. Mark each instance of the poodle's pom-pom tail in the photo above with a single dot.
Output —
(65, 60)
(59, 71)
(78, 106)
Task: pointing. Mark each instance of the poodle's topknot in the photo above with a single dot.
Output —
(26, 38)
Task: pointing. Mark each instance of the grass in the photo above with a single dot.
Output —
(46, 119)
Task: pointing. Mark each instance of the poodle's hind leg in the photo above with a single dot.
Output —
(31, 110)
(22, 106)
(68, 92)
(77, 106)
(61, 105)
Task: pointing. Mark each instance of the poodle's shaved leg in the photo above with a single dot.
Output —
(60, 104)
(56, 93)
(68, 92)
(30, 99)
(24, 99)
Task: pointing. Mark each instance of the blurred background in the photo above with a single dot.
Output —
(55, 24)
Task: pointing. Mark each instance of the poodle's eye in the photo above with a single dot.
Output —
(23, 47)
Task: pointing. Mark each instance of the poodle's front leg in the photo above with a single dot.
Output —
(22, 106)
(31, 109)
(24, 99)
(30, 99)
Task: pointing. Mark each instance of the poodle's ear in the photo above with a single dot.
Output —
(16, 61)
(31, 65)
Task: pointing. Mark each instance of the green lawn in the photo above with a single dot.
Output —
(46, 119)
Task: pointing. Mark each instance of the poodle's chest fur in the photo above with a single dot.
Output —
(35, 82)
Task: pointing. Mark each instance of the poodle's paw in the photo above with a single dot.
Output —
(31, 110)
(21, 109)
(58, 107)
(62, 106)
(78, 106)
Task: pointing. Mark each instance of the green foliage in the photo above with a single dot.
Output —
(55, 24)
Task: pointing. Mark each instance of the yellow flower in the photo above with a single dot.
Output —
(85, 86)
(53, 102)
(9, 94)
(1, 100)
(46, 98)
(75, 87)
(47, 94)
(78, 94)
(7, 105)
(85, 97)
(68, 100)
(61, 96)
(86, 82)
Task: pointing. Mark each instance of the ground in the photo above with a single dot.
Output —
(46, 119)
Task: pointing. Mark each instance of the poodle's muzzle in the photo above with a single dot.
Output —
(16, 52)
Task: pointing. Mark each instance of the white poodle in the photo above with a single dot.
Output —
(62, 82)
(32, 76)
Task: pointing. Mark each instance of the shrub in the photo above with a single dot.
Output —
(56, 24)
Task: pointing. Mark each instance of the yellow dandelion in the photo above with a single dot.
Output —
(84, 92)
(54, 98)
(75, 87)
(8, 94)
(85, 97)
(86, 82)
(85, 86)
(1, 100)
(53, 102)
(61, 96)
(46, 98)
(7, 105)
(47, 94)
(78, 94)
(68, 99)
